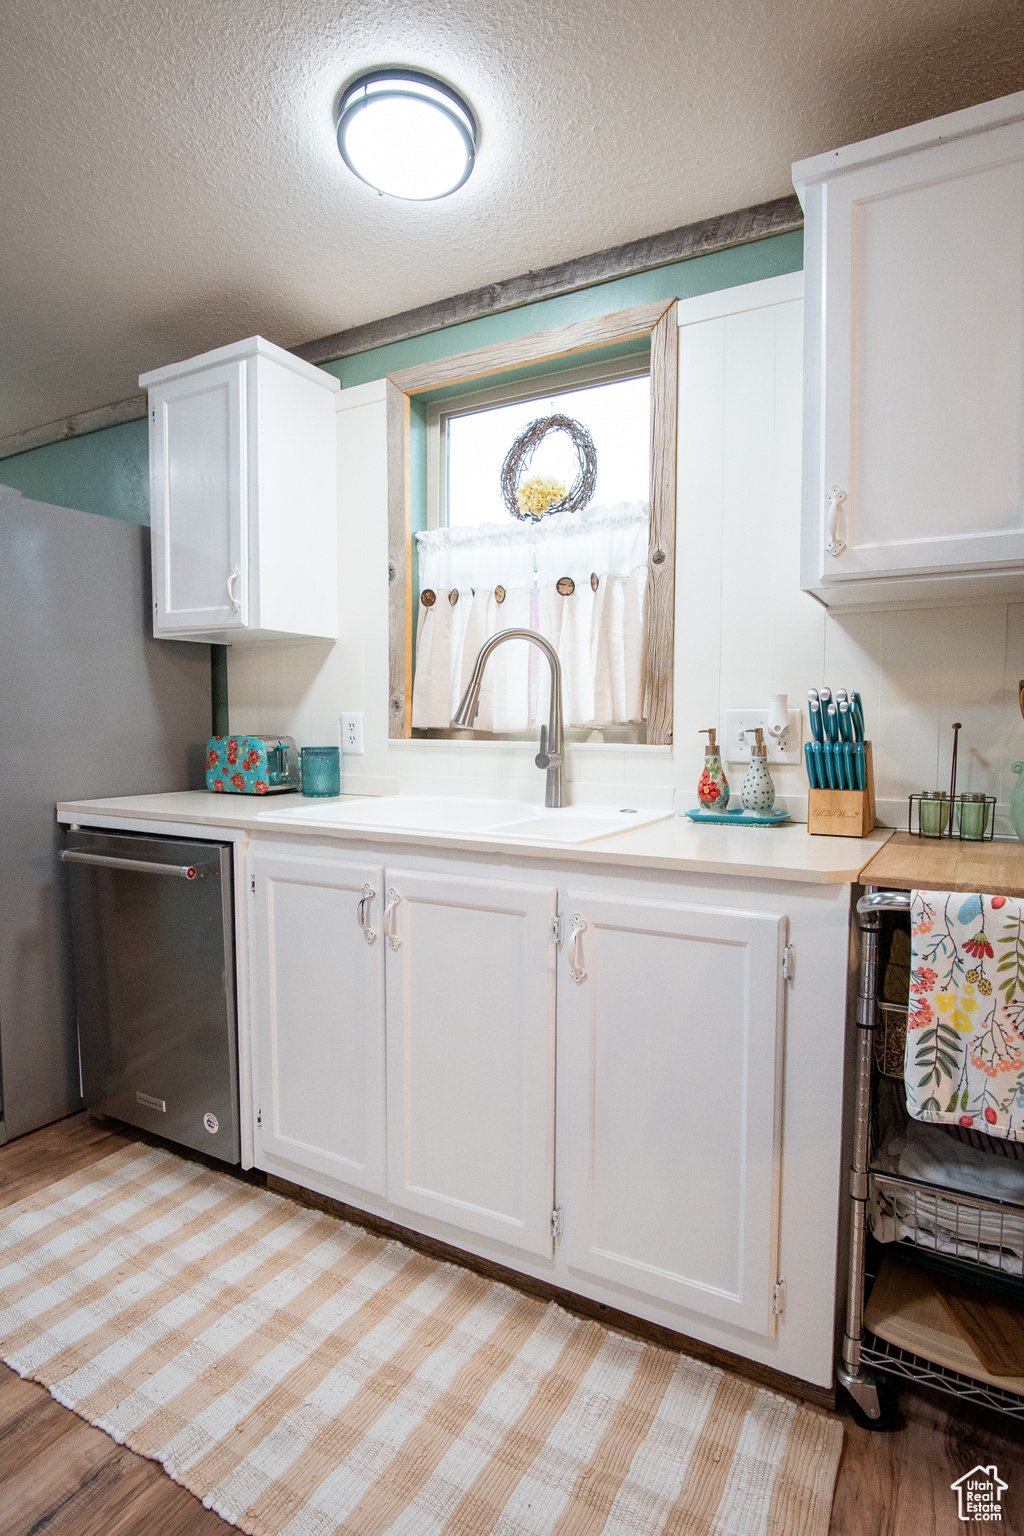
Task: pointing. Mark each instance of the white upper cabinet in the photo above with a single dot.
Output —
(243, 496)
(914, 353)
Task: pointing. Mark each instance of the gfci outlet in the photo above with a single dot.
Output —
(352, 734)
(739, 736)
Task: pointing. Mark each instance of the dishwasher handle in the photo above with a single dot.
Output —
(108, 861)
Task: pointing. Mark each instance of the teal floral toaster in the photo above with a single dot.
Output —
(252, 765)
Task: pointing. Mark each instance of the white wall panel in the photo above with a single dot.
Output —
(744, 628)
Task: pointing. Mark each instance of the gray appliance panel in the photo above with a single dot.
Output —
(91, 705)
(154, 980)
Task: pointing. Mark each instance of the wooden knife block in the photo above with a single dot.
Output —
(843, 812)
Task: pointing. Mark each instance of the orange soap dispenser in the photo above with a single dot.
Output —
(713, 787)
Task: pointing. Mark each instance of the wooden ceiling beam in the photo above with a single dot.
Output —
(683, 244)
(689, 240)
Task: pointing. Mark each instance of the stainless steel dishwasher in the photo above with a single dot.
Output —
(153, 937)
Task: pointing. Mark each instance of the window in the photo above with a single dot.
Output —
(597, 583)
(578, 579)
(467, 440)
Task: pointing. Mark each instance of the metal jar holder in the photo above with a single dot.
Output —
(970, 817)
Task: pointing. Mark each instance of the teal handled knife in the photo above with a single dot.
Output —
(858, 716)
(809, 760)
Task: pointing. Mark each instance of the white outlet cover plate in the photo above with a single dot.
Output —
(739, 736)
(352, 734)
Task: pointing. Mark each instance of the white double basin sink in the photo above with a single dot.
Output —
(497, 818)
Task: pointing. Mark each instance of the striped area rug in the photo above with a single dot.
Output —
(302, 1376)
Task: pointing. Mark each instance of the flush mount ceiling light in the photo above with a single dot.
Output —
(406, 134)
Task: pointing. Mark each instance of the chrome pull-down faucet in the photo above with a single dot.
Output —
(551, 755)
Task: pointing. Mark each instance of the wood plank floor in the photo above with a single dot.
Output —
(61, 1477)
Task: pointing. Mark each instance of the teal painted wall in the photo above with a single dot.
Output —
(683, 280)
(105, 472)
(108, 471)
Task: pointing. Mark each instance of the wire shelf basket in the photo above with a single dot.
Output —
(890, 1038)
(900, 1362)
(984, 1232)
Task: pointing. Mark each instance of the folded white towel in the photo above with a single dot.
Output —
(933, 1220)
(927, 1153)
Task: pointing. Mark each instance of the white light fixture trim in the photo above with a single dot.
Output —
(406, 134)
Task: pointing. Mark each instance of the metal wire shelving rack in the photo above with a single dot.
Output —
(894, 1361)
(973, 1229)
(970, 1235)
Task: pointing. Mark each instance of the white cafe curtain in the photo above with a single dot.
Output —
(596, 627)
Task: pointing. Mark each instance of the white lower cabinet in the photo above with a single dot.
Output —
(468, 1093)
(471, 1053)
(319, 1016)
(670, 1028)
(638, 1154)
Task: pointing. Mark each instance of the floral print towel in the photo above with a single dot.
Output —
(965, 1037)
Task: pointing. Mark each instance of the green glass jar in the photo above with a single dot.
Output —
(972, 816)
(933, 810)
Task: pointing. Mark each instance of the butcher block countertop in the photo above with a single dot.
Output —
(909, 863)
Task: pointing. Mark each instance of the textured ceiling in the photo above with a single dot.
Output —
(170, 181)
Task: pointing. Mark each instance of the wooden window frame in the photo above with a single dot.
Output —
(656, 321)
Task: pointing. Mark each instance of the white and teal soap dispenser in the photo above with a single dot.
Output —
(757, 792)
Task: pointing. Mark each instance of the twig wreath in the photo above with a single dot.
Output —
(521, 452)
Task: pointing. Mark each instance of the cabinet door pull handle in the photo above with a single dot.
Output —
(235, 602)
(366, 895)
(390, 926)
(577, 928)
(835, 546)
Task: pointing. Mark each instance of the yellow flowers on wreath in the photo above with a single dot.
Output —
(539, 493)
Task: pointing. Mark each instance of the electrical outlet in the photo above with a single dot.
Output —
(352, 734)
(739, 736)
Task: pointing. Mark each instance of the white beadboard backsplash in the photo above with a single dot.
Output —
(744, 629)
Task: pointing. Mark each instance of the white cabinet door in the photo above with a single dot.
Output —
(921, 405)
(197, 441)
(319, 1015)
(471, 1053)
(670, 1038)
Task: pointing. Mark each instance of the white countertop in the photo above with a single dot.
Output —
(784, 852)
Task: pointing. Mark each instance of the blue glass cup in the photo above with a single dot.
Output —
(320, 770)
